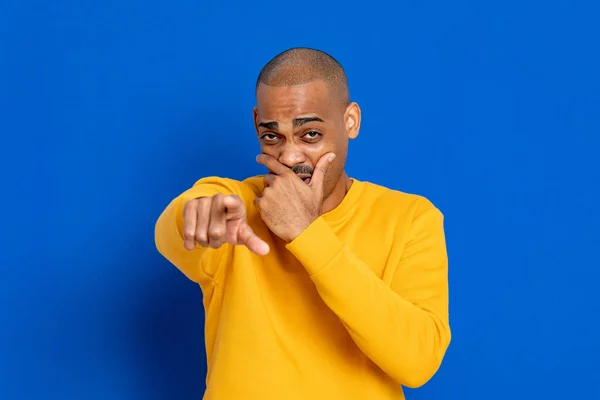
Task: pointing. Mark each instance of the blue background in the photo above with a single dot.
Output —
(109, 109)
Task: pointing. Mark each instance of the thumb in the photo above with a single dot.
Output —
(248, 238)
(318, 178)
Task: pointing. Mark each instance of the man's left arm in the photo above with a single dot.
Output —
(402, 327)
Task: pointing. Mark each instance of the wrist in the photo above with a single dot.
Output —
(297, 230)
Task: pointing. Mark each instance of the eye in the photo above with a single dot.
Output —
(269, 137)
(312, 136)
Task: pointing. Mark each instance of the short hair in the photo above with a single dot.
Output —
(300, 65)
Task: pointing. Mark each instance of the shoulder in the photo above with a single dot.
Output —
(247, 186)
(408, 206)
(254, 184)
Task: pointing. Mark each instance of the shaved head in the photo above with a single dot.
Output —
(302, 65)
(303, 112)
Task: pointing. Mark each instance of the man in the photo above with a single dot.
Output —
(316, 285)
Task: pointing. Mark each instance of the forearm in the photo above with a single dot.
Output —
(406, 341)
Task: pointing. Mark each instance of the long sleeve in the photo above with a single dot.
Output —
(402, 327)
(168, 232)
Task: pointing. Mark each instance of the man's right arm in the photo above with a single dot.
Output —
(169, 228)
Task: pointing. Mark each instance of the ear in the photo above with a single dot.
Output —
(352, 120)
(256, 119)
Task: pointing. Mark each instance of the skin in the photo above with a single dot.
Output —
(277, 107)
(303, 131)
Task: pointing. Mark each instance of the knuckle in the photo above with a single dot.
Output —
(190, 205)
(202, 240)
(215, 233)
(234, 200)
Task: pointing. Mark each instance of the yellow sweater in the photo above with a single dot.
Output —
(353, 308)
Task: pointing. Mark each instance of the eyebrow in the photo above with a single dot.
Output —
(274, 125)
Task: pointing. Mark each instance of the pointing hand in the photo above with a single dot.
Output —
(212, 221)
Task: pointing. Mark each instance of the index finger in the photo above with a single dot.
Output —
(234, 206)
(272, 164)
(248, 238)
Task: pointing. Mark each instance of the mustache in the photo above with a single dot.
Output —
(303, 169)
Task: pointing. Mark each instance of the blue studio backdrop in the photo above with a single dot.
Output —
(110, 109)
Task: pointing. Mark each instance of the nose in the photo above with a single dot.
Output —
(291, 155)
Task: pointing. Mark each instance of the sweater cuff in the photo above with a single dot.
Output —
(316, 246)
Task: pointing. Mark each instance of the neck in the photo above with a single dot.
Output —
(338, 193)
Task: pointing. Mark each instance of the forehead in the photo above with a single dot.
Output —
(288, 102)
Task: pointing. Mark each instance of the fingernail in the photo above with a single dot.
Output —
(331, 158)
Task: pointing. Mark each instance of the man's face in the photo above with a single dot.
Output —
(298, 124)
